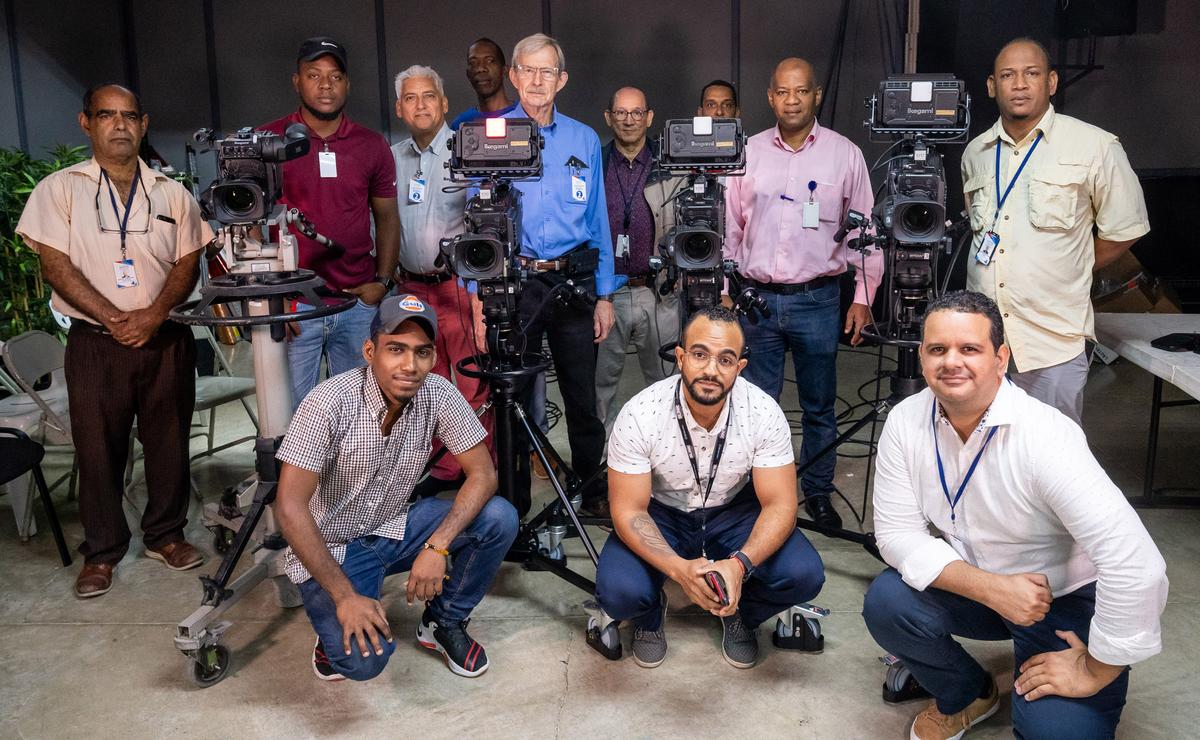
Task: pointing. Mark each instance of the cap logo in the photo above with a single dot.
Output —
(411, 303)
(326, 43)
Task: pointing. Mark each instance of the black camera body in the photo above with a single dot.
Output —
(248, 183)
(914, 210)
(496, 148)
(694, 243)
(485, 250)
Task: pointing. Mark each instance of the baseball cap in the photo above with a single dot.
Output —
(319, 46)
(395, 310)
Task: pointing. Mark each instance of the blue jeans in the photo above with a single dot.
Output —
(919, 628)
(477, 553)
(339, 338)
(807, 323)
(629, 588)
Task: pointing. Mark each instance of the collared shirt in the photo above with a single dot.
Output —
(624, 183)
(71, 211)
(439, 215)
(764, 210)
(474, 114)
(366, 479)
(339, 207)
(646, 439)
(1041, 273)
(553, 220)
(1038, 502)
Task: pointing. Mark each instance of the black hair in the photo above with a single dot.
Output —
(89, 97)
(968, 301)
(1025, 40)
(717, 314)
(720, 83)
(486, 40)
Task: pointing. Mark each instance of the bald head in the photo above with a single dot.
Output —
(794, 64)
(1023, 47)
(628, 98)
(629, 116)
(794, 96)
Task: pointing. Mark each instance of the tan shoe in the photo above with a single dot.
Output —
(177, 555)
(538, 469)
(933, 725)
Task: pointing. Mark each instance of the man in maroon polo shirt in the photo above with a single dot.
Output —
(346, 179)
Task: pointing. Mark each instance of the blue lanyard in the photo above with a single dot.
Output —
(123, 223)
(942, 471)
(1013, 181)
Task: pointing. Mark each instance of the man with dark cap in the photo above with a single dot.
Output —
(351, 457)
(347, 179)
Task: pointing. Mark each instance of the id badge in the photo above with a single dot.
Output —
(810, 217)
(125, 273)
(987, 247)
(416, 190)
(578, 189)
(328, 163)
(622, 245)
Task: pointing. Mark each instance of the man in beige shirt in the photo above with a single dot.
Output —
(1051, 199)
(118, 243)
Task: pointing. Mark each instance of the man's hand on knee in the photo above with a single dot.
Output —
(1072, 673)
(363, 618)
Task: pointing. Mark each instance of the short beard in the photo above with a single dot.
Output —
(702, 400)
(321, 115)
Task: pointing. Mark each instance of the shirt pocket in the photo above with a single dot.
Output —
(162, 241)
(979, 202)
(1054, 193)
(829, 200)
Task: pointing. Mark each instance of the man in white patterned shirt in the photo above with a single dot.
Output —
(701, 478)
(354, 450)
(1033, 543)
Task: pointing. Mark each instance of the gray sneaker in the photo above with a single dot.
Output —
(650, 646)
(739, 644)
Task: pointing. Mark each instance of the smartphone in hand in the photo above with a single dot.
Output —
(717, 583)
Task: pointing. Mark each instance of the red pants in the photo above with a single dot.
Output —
(455, 341)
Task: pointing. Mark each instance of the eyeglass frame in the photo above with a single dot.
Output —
(545, 74)
(690, 356)
(637, 114)
(117, 229)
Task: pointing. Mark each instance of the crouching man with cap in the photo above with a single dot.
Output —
(355, 448)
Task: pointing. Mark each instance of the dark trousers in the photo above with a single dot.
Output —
(919, 628)
(108, 385)
(629, 588)
(570, 329)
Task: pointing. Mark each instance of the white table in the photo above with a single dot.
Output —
(1129, 335)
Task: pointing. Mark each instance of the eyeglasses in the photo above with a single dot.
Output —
(636, 114)
(699, 358)
(117, 229)
(545, 74)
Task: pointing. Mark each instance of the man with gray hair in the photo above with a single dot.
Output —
(428, 214)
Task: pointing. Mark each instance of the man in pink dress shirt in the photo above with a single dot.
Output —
(801, 179)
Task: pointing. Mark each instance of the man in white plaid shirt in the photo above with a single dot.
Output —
(354, 450)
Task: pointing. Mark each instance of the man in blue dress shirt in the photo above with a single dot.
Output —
(561, 212)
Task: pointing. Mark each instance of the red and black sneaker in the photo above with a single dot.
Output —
(463, 655)
(321, 666)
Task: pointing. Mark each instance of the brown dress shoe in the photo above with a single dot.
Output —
(539, 470)
(94, 580)
(177, 555)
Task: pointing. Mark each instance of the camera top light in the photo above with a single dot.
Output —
(494, 128)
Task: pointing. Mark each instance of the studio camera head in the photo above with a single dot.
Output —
(248, 183)
(492, 152)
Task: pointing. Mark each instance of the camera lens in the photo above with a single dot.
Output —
(918, 219)
(480, 256)
(698, 247)
(238, 200)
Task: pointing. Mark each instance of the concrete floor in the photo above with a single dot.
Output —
(107, 667)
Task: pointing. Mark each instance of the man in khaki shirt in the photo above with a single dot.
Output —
(1075, 206)
(118, 244)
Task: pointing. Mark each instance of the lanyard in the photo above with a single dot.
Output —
(627, 199)
(123, 223)
(942, 471)
(1013, 181)
(718, 449)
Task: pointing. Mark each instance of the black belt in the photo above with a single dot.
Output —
(792, 288)
(89, 327)
(430, 279)
(640, 281)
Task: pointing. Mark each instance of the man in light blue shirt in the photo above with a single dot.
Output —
(561, 212)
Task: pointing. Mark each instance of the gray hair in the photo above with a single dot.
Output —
(967, 301)
(535, 43)
(420, 70)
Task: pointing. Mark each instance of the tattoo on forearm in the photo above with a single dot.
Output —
(646, 530)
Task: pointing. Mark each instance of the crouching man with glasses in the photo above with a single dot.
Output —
(701, 479)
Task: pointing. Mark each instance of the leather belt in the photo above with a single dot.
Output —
(536, 265)
(792, 288)
(89, 327)
(431, 279)
(640, 281)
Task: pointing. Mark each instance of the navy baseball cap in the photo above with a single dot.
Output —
(319, 46)
(395, 310)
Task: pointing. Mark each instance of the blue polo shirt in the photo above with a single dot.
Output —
(472, 114)
(554, 220)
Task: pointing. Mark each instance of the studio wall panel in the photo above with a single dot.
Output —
(9, 131)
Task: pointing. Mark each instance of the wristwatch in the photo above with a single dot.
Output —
(606, 297)
(741, 557)
(386, 282)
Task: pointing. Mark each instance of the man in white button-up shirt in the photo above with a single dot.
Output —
(1030, 541)
(681, 459)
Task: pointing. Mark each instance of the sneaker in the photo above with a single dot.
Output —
(321, 665)
(739, 644)
(463, 655)
(933, 725)
(650, 646)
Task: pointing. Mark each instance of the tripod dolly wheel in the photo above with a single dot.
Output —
(899, 685)
(799, 628)
(208, 665)
(602, 633)
(222, 538)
